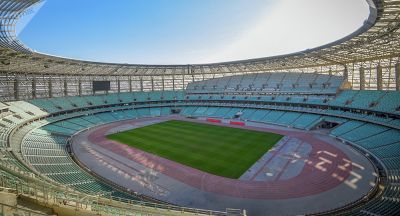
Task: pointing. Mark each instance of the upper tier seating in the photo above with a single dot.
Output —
(67, 103)
(270, 82)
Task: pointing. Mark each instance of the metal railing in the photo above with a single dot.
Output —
(15, 210)
(48, 194)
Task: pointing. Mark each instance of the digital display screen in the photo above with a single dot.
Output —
(101, 86)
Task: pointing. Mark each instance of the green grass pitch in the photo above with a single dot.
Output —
(222, 151)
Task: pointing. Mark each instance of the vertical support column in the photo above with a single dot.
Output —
(16, 89)
(173, 82)
(91, 79)
(379, 81)
(141, 83)
(130, 83)
(163, 85)
(192, 71)
(80, 86)
(108, 79)
(34, 87)
(362, 78)
(152, 84)
(346, 73)
(330, 72)
(119, 85)
(183, 82)
(65, 87)
(50, 88)
(397, 74)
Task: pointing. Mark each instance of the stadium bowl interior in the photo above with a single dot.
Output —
(335, 112)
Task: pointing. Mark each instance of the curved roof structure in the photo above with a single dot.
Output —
(377, 39)
(369, 121)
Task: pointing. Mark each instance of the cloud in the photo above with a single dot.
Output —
(295, 25)
(282, 27)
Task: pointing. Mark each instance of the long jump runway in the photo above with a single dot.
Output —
(304, 173)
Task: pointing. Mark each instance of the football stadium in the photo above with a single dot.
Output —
(315, 132)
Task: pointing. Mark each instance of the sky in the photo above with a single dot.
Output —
(186, 31)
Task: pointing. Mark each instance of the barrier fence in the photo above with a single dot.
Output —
(239, 123)
(214, 120)
(54, 195)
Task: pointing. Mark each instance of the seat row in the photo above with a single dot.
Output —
(270, 82)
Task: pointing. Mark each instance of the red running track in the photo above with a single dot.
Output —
(316, 177)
